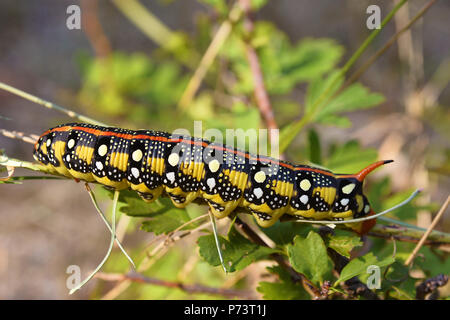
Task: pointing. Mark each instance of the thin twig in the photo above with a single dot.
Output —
(48, 104)
(388, 44)
(194, 288)
(325, 95)
(111, 244)
(427, 233)
(208, 58)
(216, 238)
(262, 98)
(149, 259)
(94, 201)
(146, 21)
(20, 135)
(94, 30)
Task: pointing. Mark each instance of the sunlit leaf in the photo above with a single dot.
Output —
(309, 257)
(237, 251)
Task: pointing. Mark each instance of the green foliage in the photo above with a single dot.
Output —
(284, 289)
(359, 266)
(344, 244)
(237, 251)
(144, 89)
(309, 257)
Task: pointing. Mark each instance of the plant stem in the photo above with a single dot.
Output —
(48, 104)
(111, 244)
(297, 126)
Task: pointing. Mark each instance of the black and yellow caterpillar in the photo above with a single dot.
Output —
(185, 168)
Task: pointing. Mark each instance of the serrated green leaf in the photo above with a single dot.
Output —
(344, 244)
(320, 90)
(283, 233)
(359, 266)
(284, 289)
(355, 97)
(309, 257)
(237, 251)
(166, 221)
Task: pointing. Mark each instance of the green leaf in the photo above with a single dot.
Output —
(320, 90)
(355, 97)
(237, 251)
(166, 221)
(431, 262)
(315, 155)
(344, 244)
(359, 266)
(309, 257)
(335, 120)
(350, 158)
(310, 59)
(283, 233)
(284, 289)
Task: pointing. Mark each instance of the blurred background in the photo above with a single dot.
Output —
(130, 66)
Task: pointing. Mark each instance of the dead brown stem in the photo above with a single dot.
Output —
(194, 288)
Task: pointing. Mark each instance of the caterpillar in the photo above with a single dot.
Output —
(155, 163)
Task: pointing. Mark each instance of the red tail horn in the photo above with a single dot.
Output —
(364, 172)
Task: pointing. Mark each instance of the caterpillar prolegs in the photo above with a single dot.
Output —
(156, 163)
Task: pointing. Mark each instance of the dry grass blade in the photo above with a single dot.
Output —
(427, 233)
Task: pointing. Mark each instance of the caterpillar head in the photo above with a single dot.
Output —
(350, 193)
(41, 147)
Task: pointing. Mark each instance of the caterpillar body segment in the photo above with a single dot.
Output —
(155, 163)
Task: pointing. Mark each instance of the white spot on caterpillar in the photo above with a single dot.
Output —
(171, 176)
(214, 165)
(258, 192)
(137, 155)
(260, 176)
(102, 150)
(345, 201)
(304, 199)
(99, 165)
(68, 157)
(49, 142)
(305, 185)
(71, 143)
(367, 208)
(211, 183)
(173, 159)
(348, 188)
(135, 172)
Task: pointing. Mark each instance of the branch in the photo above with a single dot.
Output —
(48, 104)
(409, 235)
(388, 44)
(194, 288)
(208, 58)
(262, 98)
(427, 233)
(93, 29)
